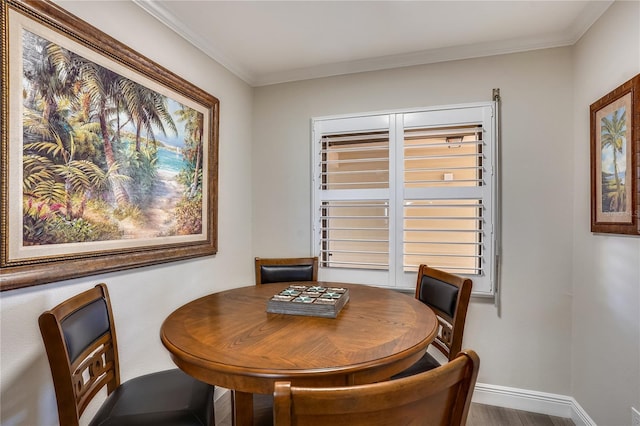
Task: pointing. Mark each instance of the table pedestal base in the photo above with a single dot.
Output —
(242, 408)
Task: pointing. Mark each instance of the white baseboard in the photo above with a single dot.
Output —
(533, 401)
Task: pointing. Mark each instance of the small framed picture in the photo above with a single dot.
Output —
(615, 155)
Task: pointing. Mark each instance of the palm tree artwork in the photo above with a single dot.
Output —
(103, 157)
(613, 156)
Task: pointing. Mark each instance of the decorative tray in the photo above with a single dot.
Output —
(315, 301)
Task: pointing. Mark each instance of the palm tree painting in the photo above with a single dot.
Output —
(615, 194)
(104, 158)
(613, 140)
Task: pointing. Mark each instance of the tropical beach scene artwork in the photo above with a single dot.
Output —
(614, 192)
(104, 157)
(109, 160)
(614, 163)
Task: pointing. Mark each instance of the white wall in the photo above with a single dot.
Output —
(606, 268)
(141, 298)
(537, 173)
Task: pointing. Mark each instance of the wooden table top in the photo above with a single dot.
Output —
(228, 339)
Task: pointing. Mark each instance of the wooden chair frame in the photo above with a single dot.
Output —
(98, 362)
(449, 338)
(285, 261)
(79, 336)
(441, 396)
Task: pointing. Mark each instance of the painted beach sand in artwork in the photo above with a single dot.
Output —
(104, 158)
(160, 218)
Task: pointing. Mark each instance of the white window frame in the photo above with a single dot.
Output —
(395, 122)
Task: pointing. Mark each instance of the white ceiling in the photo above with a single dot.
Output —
(267, 42)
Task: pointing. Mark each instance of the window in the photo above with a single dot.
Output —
(394, 190)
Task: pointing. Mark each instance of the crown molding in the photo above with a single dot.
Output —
(164, 16)
(574, 32)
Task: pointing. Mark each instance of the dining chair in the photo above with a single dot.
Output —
(80, 340)
(441, 396)
(277, 270)
(448, 296)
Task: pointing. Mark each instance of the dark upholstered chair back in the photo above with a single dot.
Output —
(286, 270)
(80, 340)
(448, 295)
(441, 396)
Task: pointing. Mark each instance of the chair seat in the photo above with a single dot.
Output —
(168, 397)
(426, 363)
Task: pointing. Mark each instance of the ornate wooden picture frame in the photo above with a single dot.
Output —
(615, 160)
(109, 161)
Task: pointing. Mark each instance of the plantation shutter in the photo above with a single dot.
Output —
(398, 190)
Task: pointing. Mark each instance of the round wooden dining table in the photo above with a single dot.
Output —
(229, 339)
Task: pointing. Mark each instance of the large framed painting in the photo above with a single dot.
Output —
(615, 159)
(109, 160)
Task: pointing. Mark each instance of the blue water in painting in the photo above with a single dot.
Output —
(621, 175)
(170, 161)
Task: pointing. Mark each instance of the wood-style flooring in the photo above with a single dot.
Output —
(488, 415)
(479, 415)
